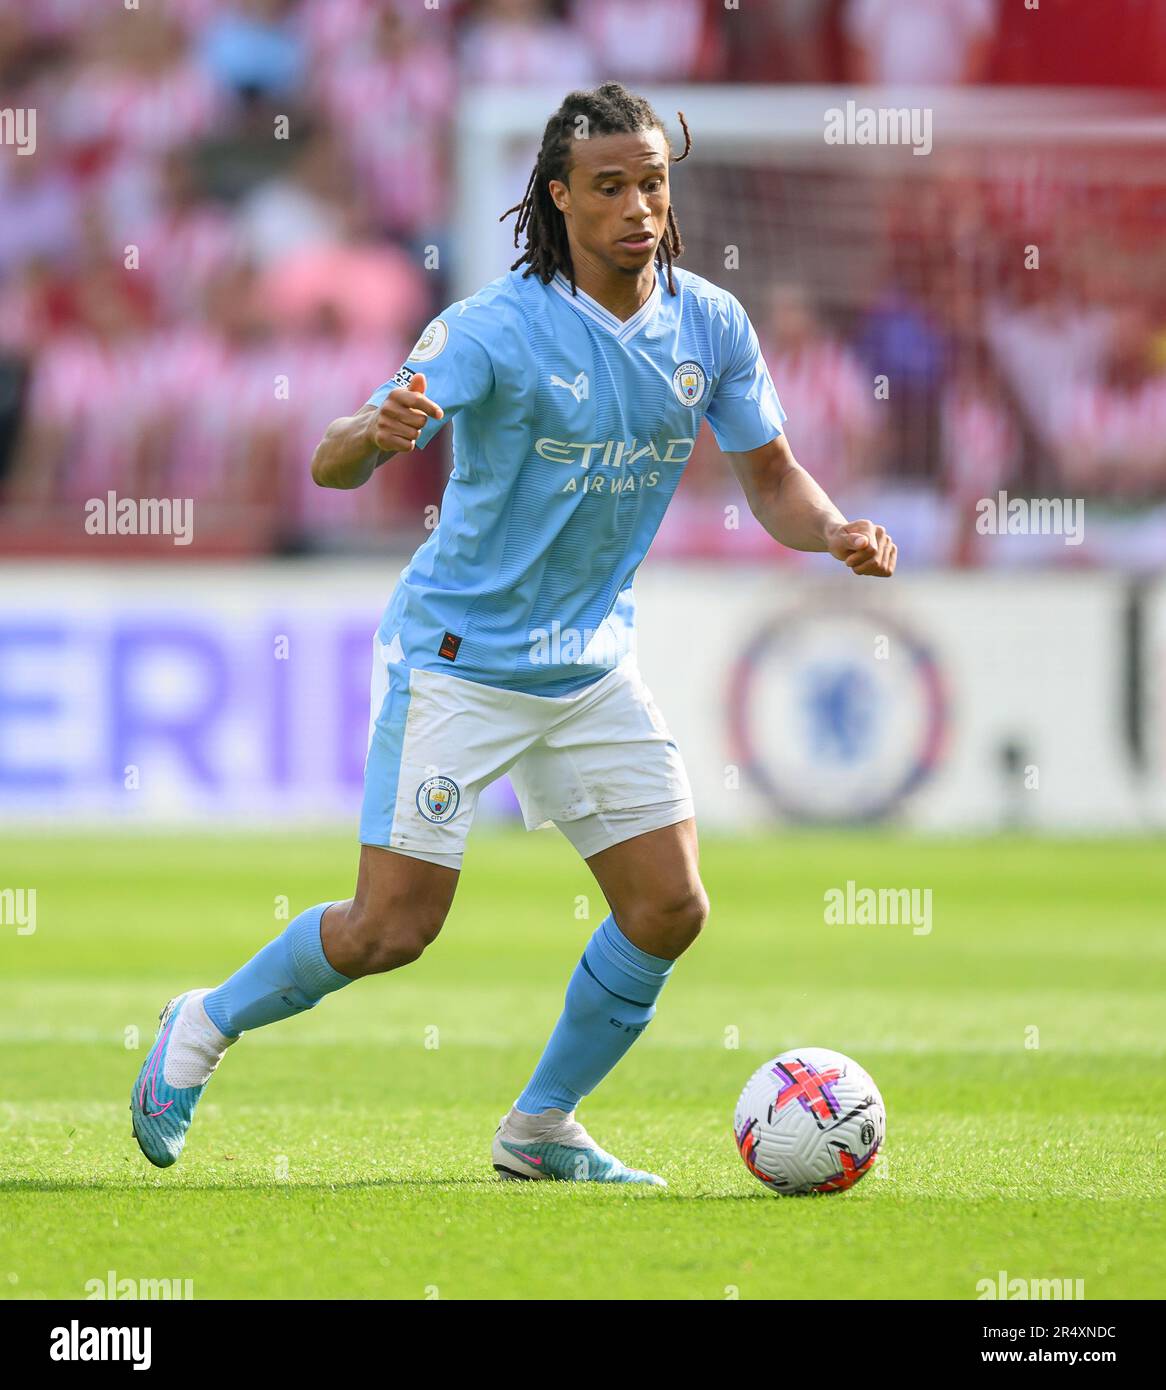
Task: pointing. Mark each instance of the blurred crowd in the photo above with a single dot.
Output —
(226, 236)
(996, 327)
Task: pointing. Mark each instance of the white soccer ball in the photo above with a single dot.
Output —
(811, 1120)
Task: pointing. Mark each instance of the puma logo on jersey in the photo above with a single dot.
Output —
(578, 388)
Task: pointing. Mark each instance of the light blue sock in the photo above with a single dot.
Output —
(610, 999)
(289, 975)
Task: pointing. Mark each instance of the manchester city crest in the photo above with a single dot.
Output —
(689, 381)
(438, 798)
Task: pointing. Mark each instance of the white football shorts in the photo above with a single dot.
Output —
(600, 763)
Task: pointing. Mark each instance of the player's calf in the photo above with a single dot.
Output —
(288, 976)
(399, 907)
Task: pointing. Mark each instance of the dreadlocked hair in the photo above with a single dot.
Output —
(608, 110)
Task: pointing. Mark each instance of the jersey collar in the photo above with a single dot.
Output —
(592, 309)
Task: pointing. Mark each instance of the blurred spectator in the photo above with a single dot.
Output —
(34, 302)
(520, 42)
(335, 30)
(1047, 344)
(389, 96)
(51, 18)
(365, 289)
(901, 343)
(333, 374)
(88, 385)
(253, 47)
(1111, 429)
(310, 205)
(905, 42)
(186, 240)
(786, 42)
(653, 40)
(41, 208)
(981, 445)
(138, 87)
(828, 395)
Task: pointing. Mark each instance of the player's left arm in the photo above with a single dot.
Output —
(795, 511)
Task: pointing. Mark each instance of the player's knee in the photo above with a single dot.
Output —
(673, 922)
(691, 912)
(389, 935)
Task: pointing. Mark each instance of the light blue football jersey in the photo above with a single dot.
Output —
(570, 432)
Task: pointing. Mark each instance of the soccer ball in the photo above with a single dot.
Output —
(811, 1120)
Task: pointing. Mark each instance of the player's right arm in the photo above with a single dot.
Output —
(354, 446)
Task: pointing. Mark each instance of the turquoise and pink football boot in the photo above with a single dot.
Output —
(555, 1146)
(186, 1051)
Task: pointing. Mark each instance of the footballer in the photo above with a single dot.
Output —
(576, 384)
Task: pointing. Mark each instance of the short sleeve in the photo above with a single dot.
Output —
(745, 411)
(456, 362)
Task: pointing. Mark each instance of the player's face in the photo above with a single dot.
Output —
(616, 199)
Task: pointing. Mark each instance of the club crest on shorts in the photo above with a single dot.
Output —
(430, 342)
(438, 799)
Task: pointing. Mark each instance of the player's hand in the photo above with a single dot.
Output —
(397, 425)
(865, 548)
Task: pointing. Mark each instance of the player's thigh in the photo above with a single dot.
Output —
(610, 776)
(434, 743)
(607, 752)
(652, 885)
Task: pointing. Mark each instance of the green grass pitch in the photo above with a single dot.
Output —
(346, 1153)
